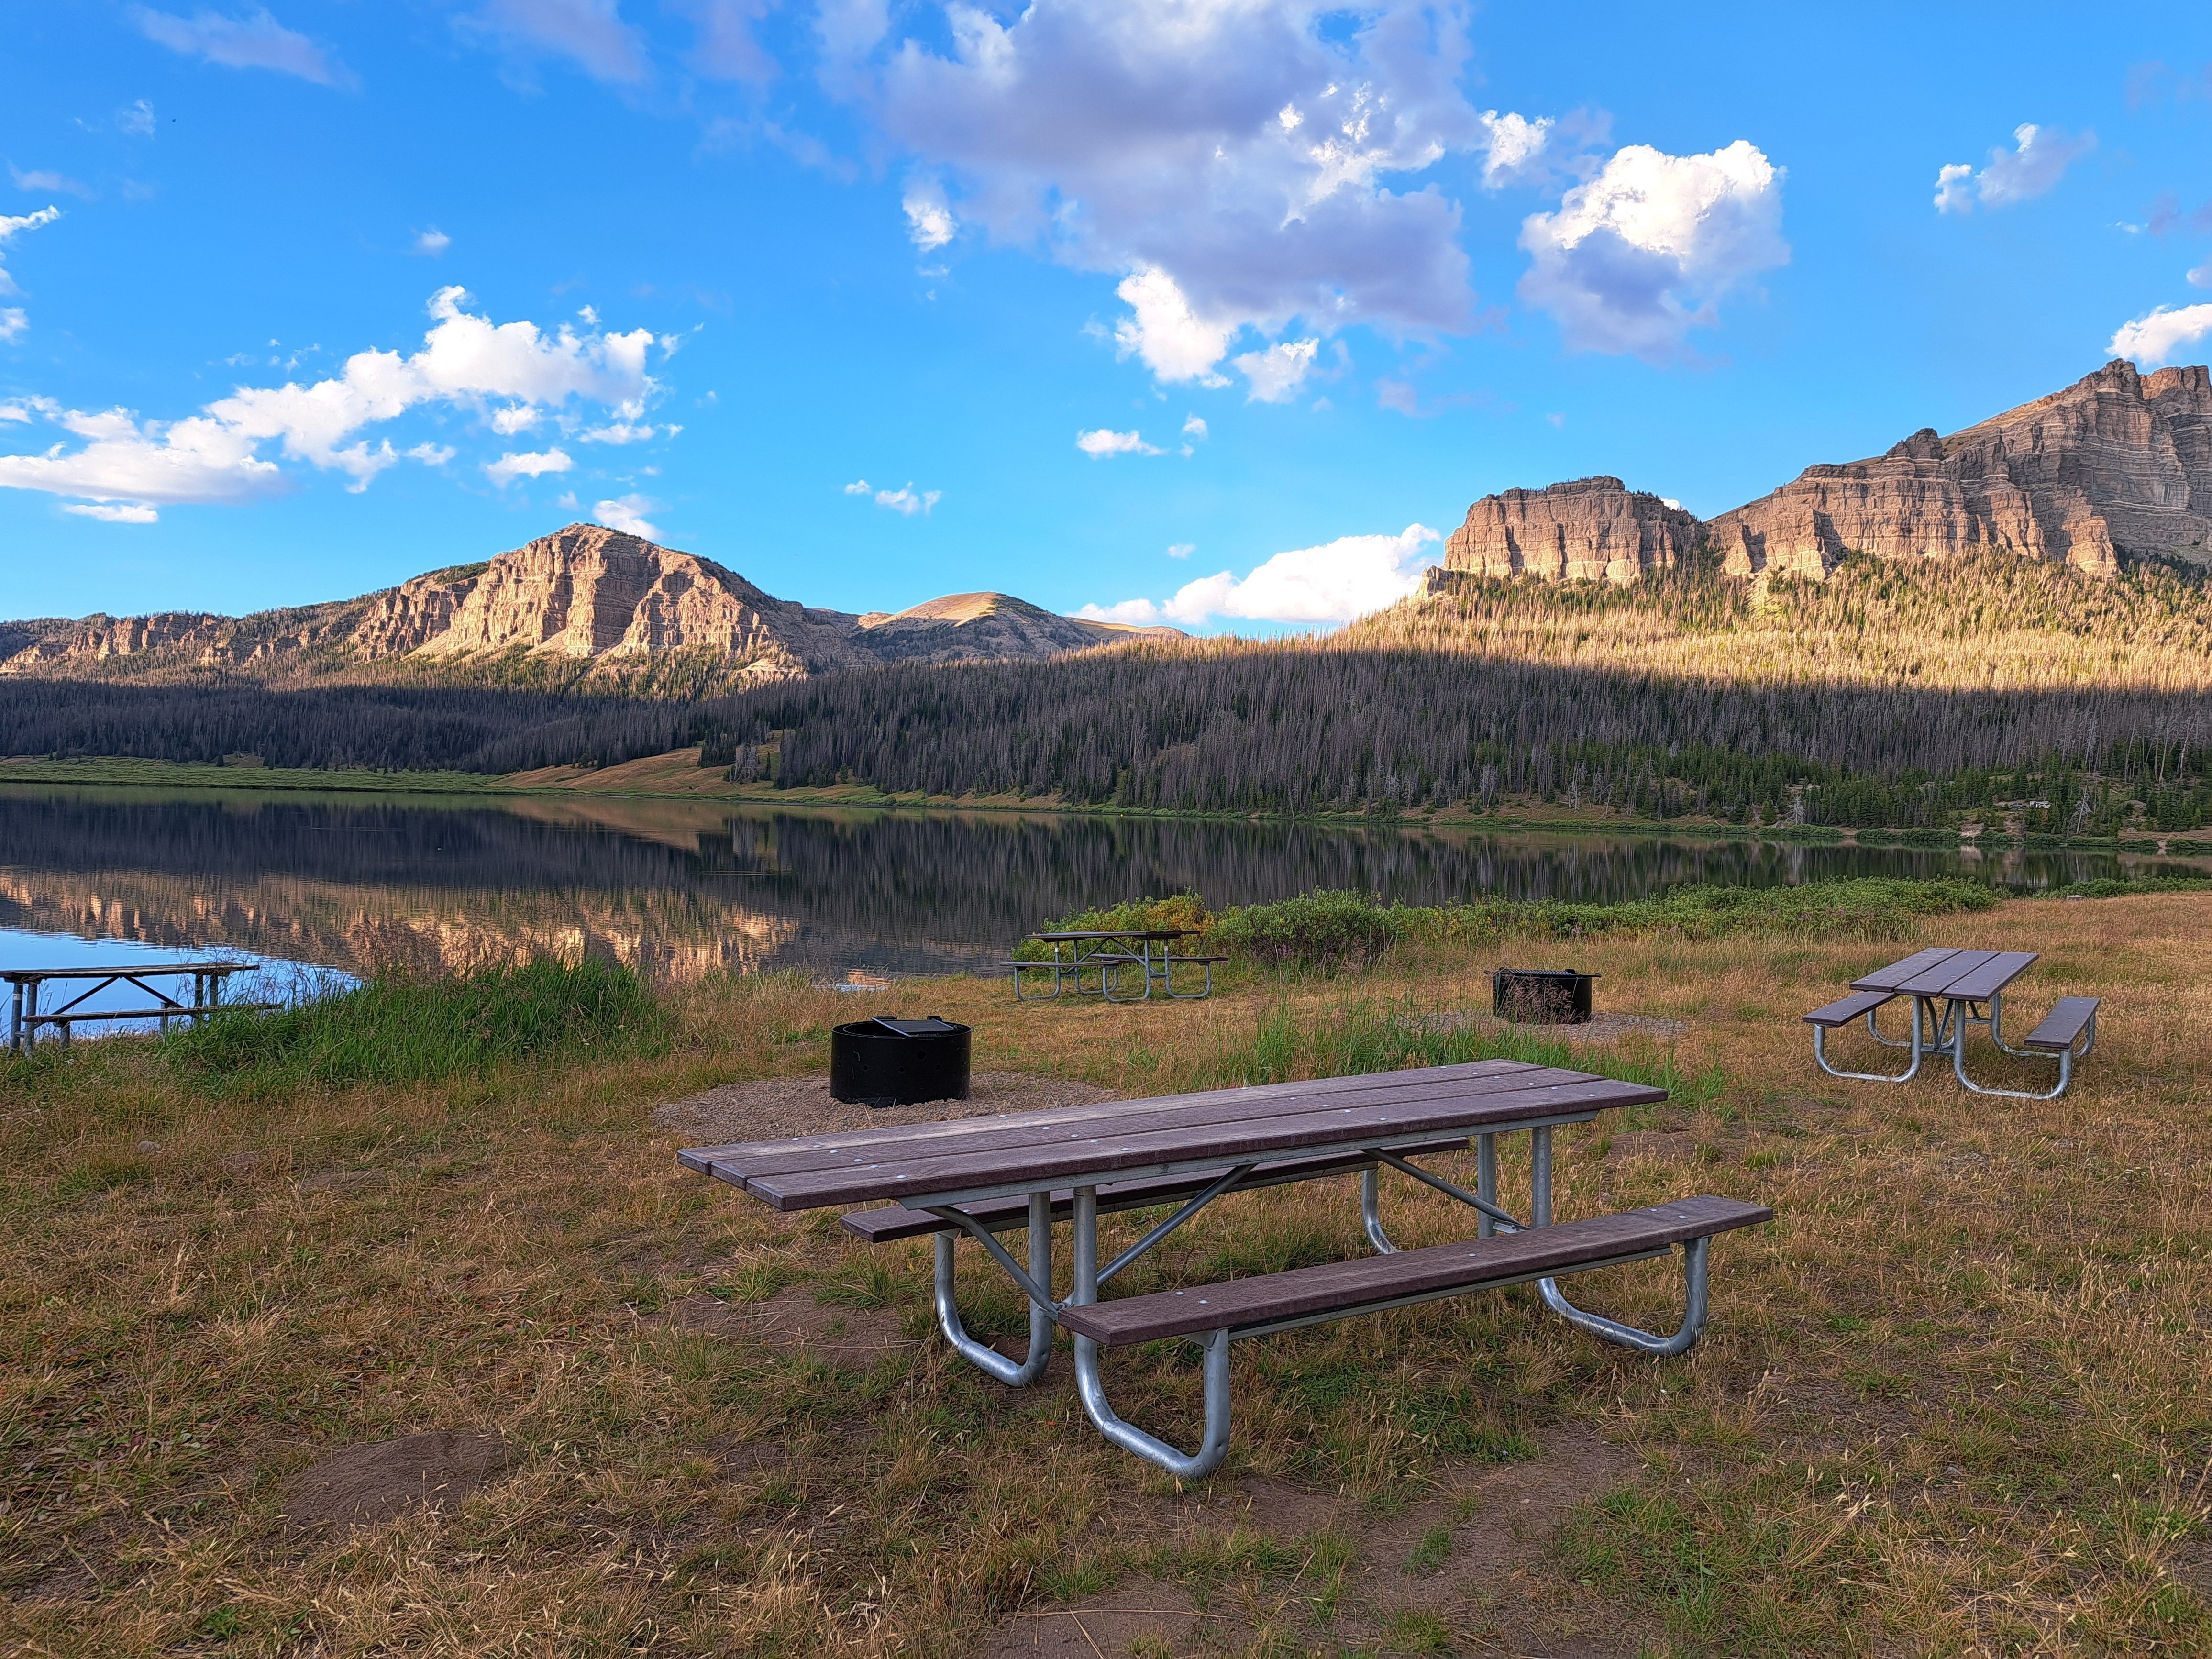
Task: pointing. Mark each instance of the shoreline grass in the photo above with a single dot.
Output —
(1953, 1401)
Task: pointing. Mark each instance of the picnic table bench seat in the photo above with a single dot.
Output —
(2062, 1027)
(897, 1221)
(1847, 1009)
(1333, 1290)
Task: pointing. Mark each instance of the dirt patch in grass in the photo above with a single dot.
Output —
(1142, 1616)
(367, 1484)
(794, 1321)
(803, 1105)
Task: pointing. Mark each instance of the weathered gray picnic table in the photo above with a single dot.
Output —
(983, 1175)
(1949, 989)
(1108, 951)
(26, 1017)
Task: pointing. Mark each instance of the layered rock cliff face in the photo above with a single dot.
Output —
(584, 594)
(1586, 529)
(2118, 465)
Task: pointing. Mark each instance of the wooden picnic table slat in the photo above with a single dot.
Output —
(1938, 981)
(1329, 1286)
(1136, 1118)
(1106, 1155)
(1892, 977)
(2000, 970)
(156, 970)
(740, 1153)
(1214, 1116)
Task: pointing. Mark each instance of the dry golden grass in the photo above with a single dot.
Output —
(1955, 1400)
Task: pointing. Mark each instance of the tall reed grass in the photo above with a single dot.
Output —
(400, 1028)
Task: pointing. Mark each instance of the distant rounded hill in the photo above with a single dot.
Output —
(585, 607)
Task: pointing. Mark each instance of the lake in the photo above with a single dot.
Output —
(682, 889)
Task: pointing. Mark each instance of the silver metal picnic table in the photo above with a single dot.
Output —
(1949, 989)
(1108, 950)
(1054, 1164)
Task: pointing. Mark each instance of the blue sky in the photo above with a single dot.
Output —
(1215, 313)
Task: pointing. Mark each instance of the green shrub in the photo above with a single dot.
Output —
(398, 1028)
(1184, 910)
(1326, 931)
(2120, 887)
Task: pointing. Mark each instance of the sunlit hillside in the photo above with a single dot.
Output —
(1989, 622)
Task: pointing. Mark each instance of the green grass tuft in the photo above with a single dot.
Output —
(398, 1029)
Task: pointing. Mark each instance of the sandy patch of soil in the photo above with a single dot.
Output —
(367, 1484)
(777, 1107)
(794, 1321)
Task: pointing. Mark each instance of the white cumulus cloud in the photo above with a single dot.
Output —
(2162, 334)
(1514, 148)
(1277, 373)
(906, 501)
(625, 432)
(1639, 255)
(215, 456)
(11, 227)
(520, 417)
(14, 319)
(1241, 164)
(627, 513)
(1105, 441)
(2201, 277)
(929, 222)
(432, 241)
(111, 514)
(252, 40)
(590, 34)
(136, 119)
(1194, 428)
(2033, 167)
(1330, 583)
(727, 47)
(508, 468)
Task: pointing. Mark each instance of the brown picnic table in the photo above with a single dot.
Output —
(983, 1175)
(1108, 951)
(1950, 989)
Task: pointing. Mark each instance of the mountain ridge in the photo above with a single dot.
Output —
(585, 603)
(2116, 466)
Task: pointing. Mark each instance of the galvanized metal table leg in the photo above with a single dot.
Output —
(1486, 1181)
(2065, 1058)
(1695, 1256)
(1821, 1052)
(1370, 1211)
(1091, 1386)
(986, 1359)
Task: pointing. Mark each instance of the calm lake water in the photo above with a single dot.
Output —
(680, 889)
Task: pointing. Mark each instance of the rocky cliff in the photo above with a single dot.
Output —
(1589, 529)
(583, 596)
(2118, 465)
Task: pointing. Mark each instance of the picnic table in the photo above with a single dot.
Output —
(25, 1016)
(979, 1176)
(1950, 989)
(1108, 951)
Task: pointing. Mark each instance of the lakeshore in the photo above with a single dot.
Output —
(1926, 1416)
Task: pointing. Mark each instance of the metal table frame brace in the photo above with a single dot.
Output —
(1036, 1282)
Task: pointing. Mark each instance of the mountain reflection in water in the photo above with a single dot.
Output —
(680, 889)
